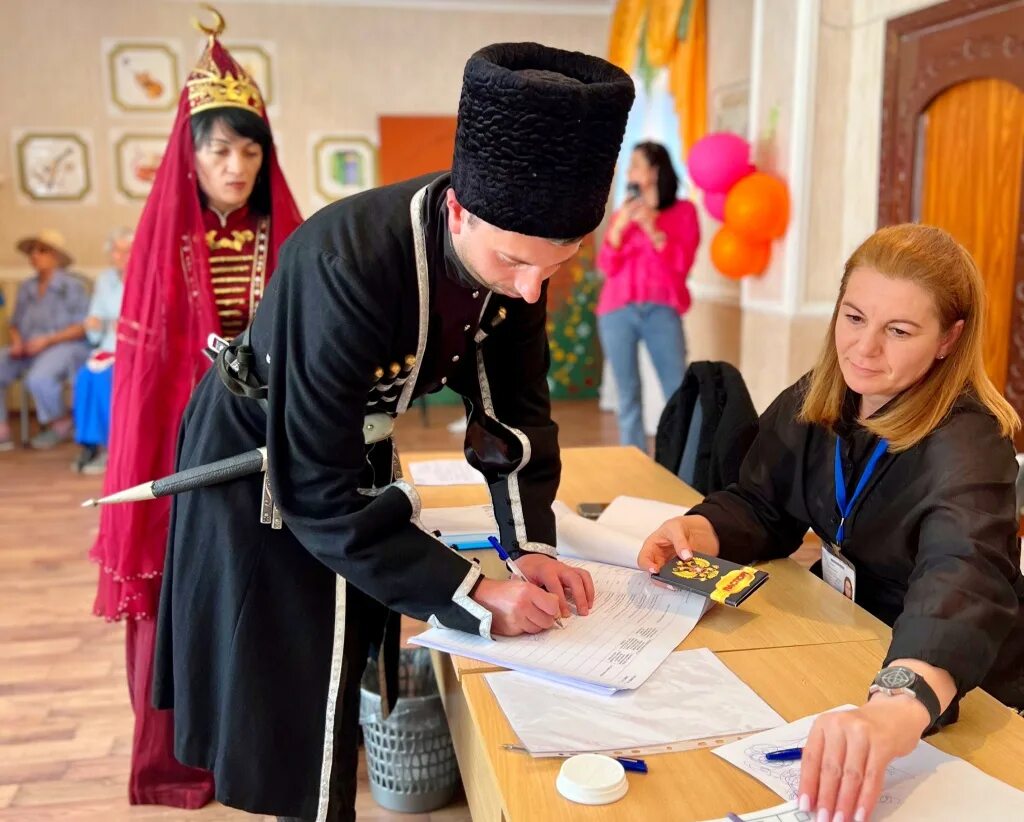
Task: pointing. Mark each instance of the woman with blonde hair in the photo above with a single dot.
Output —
(896, 450)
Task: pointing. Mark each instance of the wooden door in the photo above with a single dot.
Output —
(952, 151)
(972, 150)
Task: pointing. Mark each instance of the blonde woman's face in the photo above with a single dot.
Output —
(888, 335)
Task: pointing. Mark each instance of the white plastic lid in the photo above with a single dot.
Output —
(592, 779)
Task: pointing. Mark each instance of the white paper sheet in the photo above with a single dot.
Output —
(780, 813)
(581, 538)
(466, 527)
(466, 519)
(925, 784)
(691, 696)
(633, 626)
(638, 517)
(445, 472)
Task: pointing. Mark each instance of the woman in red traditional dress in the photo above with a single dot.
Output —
(205, 246)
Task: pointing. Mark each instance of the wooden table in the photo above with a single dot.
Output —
(797, 643)
(504, 786)
(793, 608)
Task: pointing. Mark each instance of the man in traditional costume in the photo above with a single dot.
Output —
(204, 250)
(264, 629)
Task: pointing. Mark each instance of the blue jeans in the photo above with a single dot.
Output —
(621, 331)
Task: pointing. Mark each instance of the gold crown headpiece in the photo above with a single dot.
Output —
(218, 81)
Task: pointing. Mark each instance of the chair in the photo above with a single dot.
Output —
(707, 427)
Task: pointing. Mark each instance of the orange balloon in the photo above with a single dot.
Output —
(758, 207)
(735, 256)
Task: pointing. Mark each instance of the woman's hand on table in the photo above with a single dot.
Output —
(842, 770)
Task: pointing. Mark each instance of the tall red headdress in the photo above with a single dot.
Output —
(166, 316)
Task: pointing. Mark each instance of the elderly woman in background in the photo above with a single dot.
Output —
(94, 383)
(47, 345)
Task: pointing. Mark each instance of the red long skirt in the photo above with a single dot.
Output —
(157, 778)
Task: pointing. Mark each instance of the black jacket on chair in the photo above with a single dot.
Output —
(728, 425)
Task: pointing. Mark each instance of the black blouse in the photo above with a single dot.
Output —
(933, 536)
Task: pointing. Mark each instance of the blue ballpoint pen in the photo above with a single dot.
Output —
(785, 755)
(635, 765)
(513, 568)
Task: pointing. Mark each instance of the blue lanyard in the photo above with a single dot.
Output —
(846, 507)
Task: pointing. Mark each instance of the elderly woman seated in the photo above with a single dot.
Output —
(47, 337)
(94, 383)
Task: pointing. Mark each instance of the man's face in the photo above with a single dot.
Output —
(507, 263)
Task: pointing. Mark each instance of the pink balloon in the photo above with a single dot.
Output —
(719, 160)
(714, 204)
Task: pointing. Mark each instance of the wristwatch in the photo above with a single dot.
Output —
(896, 680)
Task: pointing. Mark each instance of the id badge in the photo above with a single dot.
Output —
(837, 571)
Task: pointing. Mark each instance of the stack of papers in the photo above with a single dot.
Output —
(632, 628)
(692, 697)
(465, 528)
(617, 535)
(925, 784)
(445, 472)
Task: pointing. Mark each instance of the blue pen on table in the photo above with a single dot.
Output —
(785, 755)
(515, 569)
(733, 817)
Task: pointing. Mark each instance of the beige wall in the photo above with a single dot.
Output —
(338, 68)
(713, 323)
(818, 64)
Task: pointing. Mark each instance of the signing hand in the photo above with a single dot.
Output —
(842, 770)
(559, 579)
(677, 537)
(517, 607)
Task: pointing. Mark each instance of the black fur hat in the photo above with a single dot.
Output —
(538, 135)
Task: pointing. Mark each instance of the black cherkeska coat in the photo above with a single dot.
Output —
(933, 536)
(257, 652)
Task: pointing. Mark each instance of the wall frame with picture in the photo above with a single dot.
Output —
(136, 158)
(143, 76)
(53, 165)
(342, 165)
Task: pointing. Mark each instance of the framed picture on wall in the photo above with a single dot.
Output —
(137, 157)
(342, 165)
(53, 165)
(257, 58)
(143, 75)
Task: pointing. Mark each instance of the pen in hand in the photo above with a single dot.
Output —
(515, 570)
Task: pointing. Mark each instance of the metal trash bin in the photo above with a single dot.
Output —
(409, 755)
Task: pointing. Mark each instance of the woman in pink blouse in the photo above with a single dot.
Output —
(646, 257)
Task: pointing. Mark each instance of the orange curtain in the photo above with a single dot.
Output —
(688, 77)
(624, 37)
(662, 30)
(685, 54)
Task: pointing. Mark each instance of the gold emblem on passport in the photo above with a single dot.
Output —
(695, 568)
